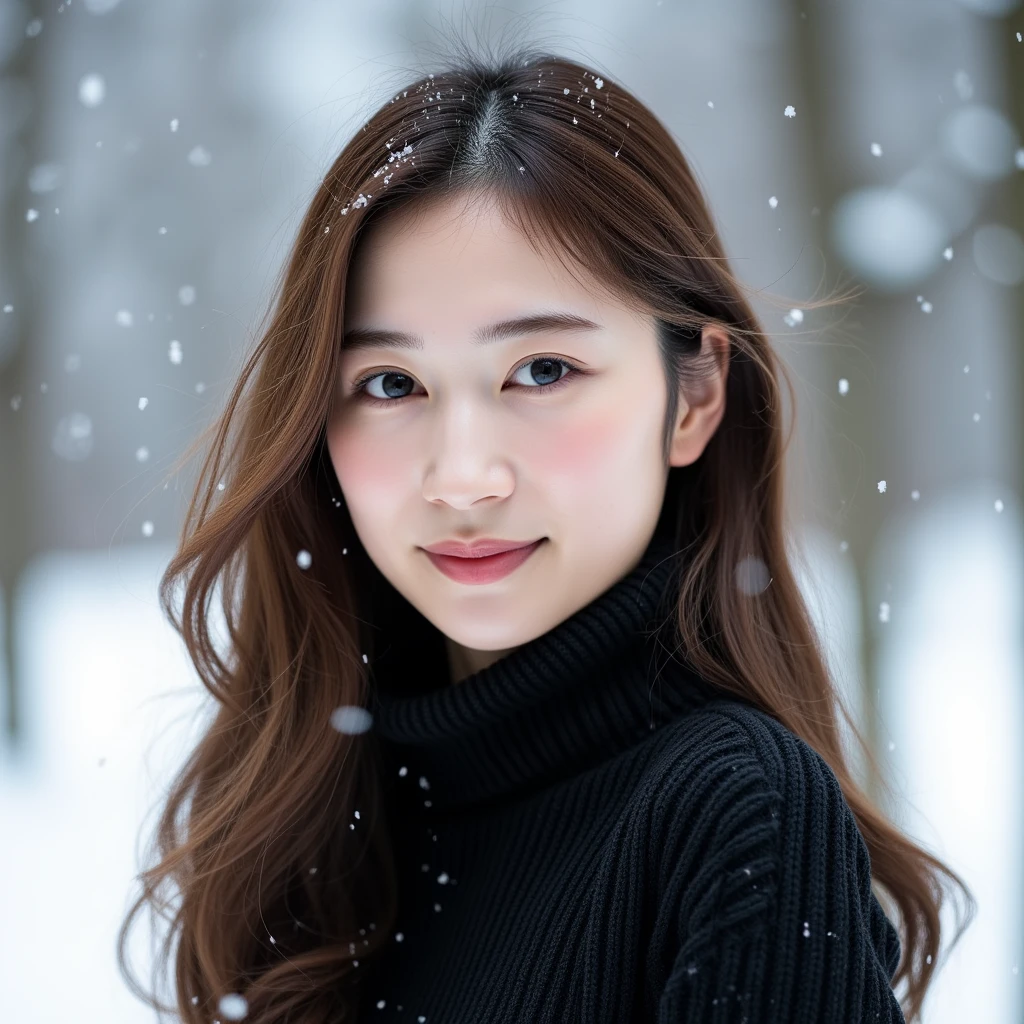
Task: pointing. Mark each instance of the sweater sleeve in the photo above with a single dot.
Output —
(770, 889)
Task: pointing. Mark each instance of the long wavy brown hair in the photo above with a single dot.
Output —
(272, 885)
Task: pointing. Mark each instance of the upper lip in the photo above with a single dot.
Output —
(479, 548)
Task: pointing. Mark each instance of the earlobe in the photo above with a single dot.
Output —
(687, 443)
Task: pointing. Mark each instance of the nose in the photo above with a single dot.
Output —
(468, 467)
(463, 487)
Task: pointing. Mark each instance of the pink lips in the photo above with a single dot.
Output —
(486, 569)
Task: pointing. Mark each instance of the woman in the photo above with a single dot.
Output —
(599, 776)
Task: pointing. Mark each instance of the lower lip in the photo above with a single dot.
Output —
(483, 570)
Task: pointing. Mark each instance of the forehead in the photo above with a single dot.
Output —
(457, 254)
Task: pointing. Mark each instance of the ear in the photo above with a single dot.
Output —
(701, 411)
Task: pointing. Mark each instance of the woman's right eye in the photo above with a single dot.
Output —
(389, 385)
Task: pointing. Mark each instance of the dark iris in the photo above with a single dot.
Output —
(555, 369)
(384, 383)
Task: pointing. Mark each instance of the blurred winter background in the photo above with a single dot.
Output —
(156, 157)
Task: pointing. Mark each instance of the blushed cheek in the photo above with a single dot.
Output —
(583, 452)
(363, 469)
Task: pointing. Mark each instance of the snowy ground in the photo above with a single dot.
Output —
(110, 700)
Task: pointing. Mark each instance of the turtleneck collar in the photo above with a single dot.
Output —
(595, 684)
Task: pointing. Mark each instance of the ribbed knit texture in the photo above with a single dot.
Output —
(586, 833)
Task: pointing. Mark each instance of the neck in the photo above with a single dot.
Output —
(465, 661)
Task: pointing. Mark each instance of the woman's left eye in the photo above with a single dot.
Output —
(550, 367)
(550, 361)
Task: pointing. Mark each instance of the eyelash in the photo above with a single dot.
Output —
(574, 371)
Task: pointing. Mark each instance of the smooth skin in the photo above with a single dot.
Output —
(482, 443)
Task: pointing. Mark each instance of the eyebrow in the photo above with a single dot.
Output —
(534, 323)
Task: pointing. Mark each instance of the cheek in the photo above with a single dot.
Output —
(601, 469)
(576, 449)
(590, 452)
(365, 472)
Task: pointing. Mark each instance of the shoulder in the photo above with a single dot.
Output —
(729, 726)
(729, 748)
(741, 809)
(717, 808)
(754, 837)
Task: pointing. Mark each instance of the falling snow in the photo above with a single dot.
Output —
(91, 90)
(73, 438)
(233, 1006)
(752, 576)
(351, 720)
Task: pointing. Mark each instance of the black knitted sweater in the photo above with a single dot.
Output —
(587, 834)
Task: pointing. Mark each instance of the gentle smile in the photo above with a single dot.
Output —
(482, 569)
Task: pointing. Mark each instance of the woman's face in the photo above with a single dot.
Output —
(495, 438)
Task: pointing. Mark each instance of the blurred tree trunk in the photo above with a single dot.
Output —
(17, 539)
(839, 478)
